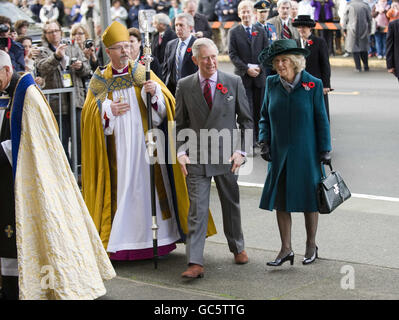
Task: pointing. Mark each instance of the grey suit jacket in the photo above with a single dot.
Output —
(276, 21)
(228, 110)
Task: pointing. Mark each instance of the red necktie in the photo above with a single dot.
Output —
(286, 32)
(208, 93)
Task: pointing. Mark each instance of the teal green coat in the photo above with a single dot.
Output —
(296, 127)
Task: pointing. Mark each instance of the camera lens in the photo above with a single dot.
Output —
(89, 43)
(4, 27)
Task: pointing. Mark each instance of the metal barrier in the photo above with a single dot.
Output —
(319, 25)
(71, 92)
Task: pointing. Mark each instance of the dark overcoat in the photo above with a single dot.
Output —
(392, 53)
(296, 127)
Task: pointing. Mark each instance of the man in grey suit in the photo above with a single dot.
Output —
(177, 62)
(209, 104)
(284, 19)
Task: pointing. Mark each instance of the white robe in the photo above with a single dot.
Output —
(131, 227)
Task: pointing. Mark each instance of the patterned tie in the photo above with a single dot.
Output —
(249, 33)
(179, 60)
(208, 93)
(286, 32)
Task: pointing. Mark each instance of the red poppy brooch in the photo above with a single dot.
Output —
(222, 89)
(255, 33)
(308, 85)
(310, 42)
(188, 50)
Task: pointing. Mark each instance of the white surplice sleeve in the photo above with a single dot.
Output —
(7, 149)
(159, 113)
(108, 119)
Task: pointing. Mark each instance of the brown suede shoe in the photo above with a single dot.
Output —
(194, 271)
(241, 258)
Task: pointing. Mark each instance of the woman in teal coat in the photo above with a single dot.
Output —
(295, 135)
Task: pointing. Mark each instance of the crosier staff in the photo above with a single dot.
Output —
(145, 18)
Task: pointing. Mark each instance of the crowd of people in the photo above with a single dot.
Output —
(278, 93)
(126, 12)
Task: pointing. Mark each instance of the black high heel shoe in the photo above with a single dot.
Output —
(279, 261)
(312, 258)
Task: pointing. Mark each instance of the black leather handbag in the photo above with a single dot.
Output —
(331, 192)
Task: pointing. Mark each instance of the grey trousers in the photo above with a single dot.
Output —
(199, 192)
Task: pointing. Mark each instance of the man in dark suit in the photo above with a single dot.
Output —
(177, 60)
(161, 22)
(246, 41)
(214, 102)
(392, 51)
(317, 63)
(201, 24)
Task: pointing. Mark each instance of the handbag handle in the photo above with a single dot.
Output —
(321, 168)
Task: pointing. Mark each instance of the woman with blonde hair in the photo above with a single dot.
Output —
(295, 136)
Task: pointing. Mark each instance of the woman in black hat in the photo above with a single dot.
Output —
(317, 63)
(295, 135)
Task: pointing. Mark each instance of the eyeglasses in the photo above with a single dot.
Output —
(119, 48)
(53, 31)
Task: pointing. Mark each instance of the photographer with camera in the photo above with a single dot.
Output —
(62, 65)
(13, 48)
(31, 53)
(80, 36)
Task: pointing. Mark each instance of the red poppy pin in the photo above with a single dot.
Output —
(310, 42)
(308, 85)
(188, 50)
(222, 89)
(8, 115)
(255, 33)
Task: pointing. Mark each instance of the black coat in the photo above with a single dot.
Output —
(169, 65)
(207, 8)
(8, 244)
(158, 50)
(318, 63)
(392, 45)
(243, 51)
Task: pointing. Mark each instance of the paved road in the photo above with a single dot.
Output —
(364, 128)
(359, 239)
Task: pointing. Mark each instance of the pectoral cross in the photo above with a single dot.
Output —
(9, 231)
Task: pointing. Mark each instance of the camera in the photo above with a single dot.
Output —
(73, 60)
(4, 42)
(66, 41)
(89, 43)
(4, 27)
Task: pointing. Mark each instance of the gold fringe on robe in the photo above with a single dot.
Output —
(98, 164)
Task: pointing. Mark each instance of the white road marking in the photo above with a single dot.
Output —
(352, 93)
(354, 195)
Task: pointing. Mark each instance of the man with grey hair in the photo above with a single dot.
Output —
(283, 22)
(177, 62)
(163, 35)
(211, 101)
(32, 160)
